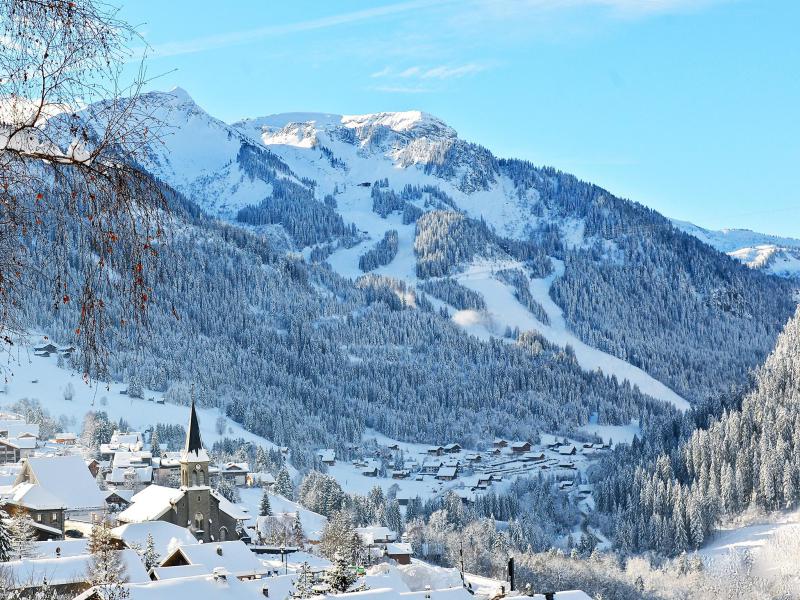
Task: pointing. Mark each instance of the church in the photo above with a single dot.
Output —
(207, 514)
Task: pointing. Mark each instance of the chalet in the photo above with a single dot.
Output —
(435, 450)
(118, 500)
(473, 458)
(401, 474)
(94, 466)
(65, 480)
(46, 512)
(500, 443)
(236, 473)
(588, 445)
(452, 448)
(533, 456)
(566, 464)
(327, 456)
(210, 516)
(568, 450)
(565, 485)
(376, 534)
(520, 447)
(67, 575)
(370, 471)
(233, 556)
(14, 426)
(12, 450)
(447, 473)
(484, 481)
(213, 586)
(66, 438)
(400, 552)
(393, 446)
(431, 466)
(48, 348)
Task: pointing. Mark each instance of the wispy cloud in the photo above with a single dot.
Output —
(440, 72)
(223, 40)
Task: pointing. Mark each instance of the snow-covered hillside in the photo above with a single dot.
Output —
(772, 254)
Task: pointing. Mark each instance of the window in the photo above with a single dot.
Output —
(223, 534)
(39, 517)
(198, 521)
(54, 517)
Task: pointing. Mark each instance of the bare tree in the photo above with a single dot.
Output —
(71, 138)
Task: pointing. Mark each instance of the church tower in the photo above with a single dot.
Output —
(195, 481)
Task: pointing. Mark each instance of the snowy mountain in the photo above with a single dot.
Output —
(772, 254)
(443, 294)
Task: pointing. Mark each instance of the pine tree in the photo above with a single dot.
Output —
(107, 572)
(265, 510)
(340, 576)
(283, 484)
(155, 445)
(303, 587)
(298, 536)
(6, 542)
(100, 480)
(22, 536)
(150, 557)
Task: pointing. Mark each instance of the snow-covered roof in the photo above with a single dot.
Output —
(234, 511)
(67, 569)
(447, 472)
(68, 479)
(149, 504)
(568, 449)
(125, 458)
(236, 466)
(376, 533)
(25, 443)
(35, 497)
(47, 549)
(568, 595)
(234, 556)
(179, 572)
(199, 587)
(143, 474)
(166, 536)
(399, 548)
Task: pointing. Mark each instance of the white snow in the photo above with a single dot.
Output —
(506, 311)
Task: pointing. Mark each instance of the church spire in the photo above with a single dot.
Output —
(193, 442)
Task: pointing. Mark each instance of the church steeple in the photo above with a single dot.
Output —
(193, 442)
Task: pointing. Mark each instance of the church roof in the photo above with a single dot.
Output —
(194, 445)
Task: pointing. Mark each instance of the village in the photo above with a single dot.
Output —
(173, 533)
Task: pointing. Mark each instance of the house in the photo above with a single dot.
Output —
(375, 534)
(66, 481)
(118, 500)
(499, 443)
(533, 456)
(401, 474)
(14, 426)
(452, 448)
(327, 456)
(66, 574)
(566, 464)
(565, 485)
(46, 512)
(520, 447)
(66, 438)
(400, 552)
(435, 450)
(370, 471)
(473, 458)
(12, 450)
(447, 473)
(567, 450)
(233, 556)
(236, 473)
(211, 517)
(431, 466)
(394, 446)
(48, 348)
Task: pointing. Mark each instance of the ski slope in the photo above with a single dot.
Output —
(505, 310)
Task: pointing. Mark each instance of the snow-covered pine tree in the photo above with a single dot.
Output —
(155, 444)
(22, 536)
(6, 541)
(341, 575)
(303, 586)
(298, 535)
(283, 484)
(265, 509)
(107, 571)
(150, 556)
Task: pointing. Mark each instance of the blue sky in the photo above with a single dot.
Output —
(688, 106)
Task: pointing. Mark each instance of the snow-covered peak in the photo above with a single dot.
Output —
(413, 122)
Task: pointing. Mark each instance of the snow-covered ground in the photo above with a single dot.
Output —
(313, 523)
(504, 310)
(754, 537)
(40, 378)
